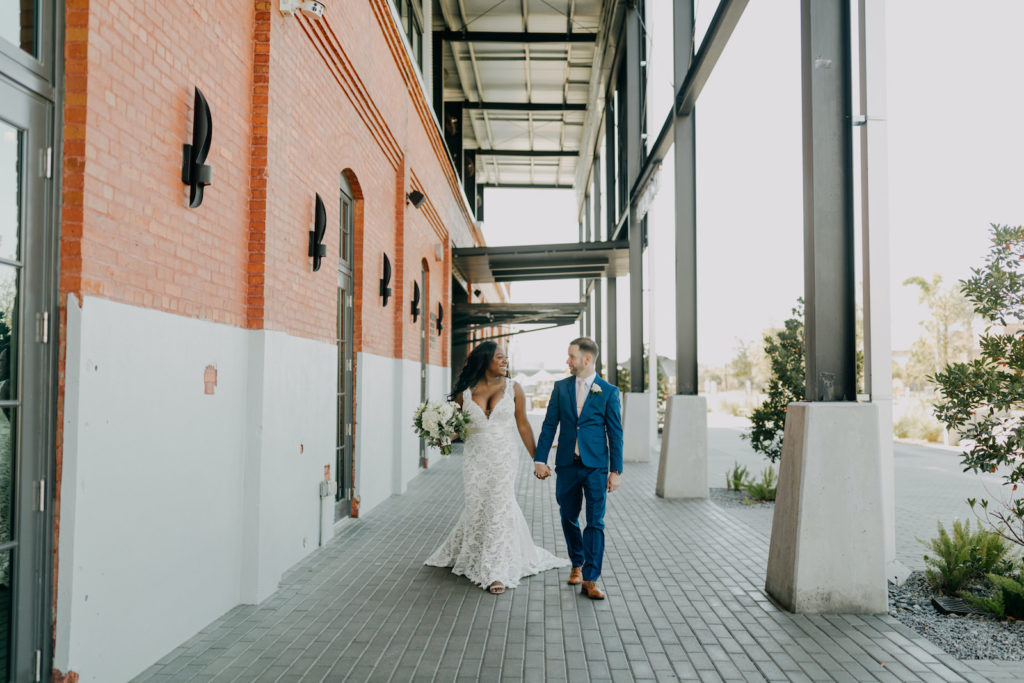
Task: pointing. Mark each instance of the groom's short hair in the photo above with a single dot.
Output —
(586, 345)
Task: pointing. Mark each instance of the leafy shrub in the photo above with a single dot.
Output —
(1007, 597)
(964, 558)
(736, 477)
(917, 426)
(764, 490)
(734, 409)
(983, 398)
(785, 351)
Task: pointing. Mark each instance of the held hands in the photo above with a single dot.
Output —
(541, 470)
(613, 481)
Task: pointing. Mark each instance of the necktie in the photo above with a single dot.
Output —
(581, 396)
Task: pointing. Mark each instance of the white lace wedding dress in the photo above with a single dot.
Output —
(491, 541)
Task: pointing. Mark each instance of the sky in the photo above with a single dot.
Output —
(956, 148)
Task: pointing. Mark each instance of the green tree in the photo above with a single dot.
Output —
(624, 376)
(983, 398)
(949, 329)
(785, 350)
(741, 367)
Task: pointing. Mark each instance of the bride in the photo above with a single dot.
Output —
(491, 545)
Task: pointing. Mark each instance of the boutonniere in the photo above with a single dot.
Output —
(594, 389)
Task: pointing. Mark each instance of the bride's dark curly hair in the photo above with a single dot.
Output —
(475, 368)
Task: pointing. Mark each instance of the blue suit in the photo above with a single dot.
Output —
(598, 430)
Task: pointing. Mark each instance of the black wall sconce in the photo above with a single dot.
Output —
(416, 198)
(385, 291)
(415, 303)
(194, 171)
(317, 248)
(440, 317)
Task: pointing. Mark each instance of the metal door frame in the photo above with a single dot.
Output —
(33, 424)
(32, 82)
(346, 369)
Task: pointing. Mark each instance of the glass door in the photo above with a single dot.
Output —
(344, 457)
(25, 381)
(424, 316)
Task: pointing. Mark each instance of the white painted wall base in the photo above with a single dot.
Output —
(827, 552)
(387, 450)
(683, 467)
(636, 427)
(183, 504)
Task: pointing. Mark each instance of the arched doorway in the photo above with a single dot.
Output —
(344, 461)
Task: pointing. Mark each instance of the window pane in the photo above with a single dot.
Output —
(5, 613)
(7, 421)
(8, 332)
(10, 190)
(18, 20)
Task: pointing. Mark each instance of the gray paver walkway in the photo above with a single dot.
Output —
(685, 602)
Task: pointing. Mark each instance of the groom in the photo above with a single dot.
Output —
(588, 459)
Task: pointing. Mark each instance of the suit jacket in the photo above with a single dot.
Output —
(598, 428)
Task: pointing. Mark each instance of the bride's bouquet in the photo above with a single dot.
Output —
(440, 422)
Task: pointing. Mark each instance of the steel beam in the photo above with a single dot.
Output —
(526, 186)
(684, 132)
(634, 152)
(828, 201)
(528, 152)
(514, 37)
(524, 106)
(719, 31)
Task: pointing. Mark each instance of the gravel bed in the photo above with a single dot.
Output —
(736, 499)
(972, 636)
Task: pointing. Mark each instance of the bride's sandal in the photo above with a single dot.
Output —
(496, 588)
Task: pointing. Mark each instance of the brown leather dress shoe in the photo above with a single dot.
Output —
(591, 590)
(576, 576)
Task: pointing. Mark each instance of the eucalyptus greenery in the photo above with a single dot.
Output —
(785, 351)
(983, 399)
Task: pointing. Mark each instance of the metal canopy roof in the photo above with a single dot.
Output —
(543, 261)
(499, 56)
(472, 316)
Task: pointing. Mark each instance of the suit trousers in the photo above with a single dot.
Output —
(573, 483)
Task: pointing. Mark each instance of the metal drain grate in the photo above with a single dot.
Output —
(948, 605)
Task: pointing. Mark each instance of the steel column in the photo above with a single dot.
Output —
(612, 354)
(598, 328)
(686, 211)
(469, 169)
(437, 76)
(452, 124)
(587, 236)
(874, 186)
(634, 153)
(828, 201)
(583, 293)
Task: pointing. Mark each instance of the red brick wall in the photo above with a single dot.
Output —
(128, 236)
(294, 102)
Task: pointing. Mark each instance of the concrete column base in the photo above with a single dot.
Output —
(827, 552)
(683, 468)
(636, 427)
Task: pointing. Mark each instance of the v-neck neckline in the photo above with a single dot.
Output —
(487, 415)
